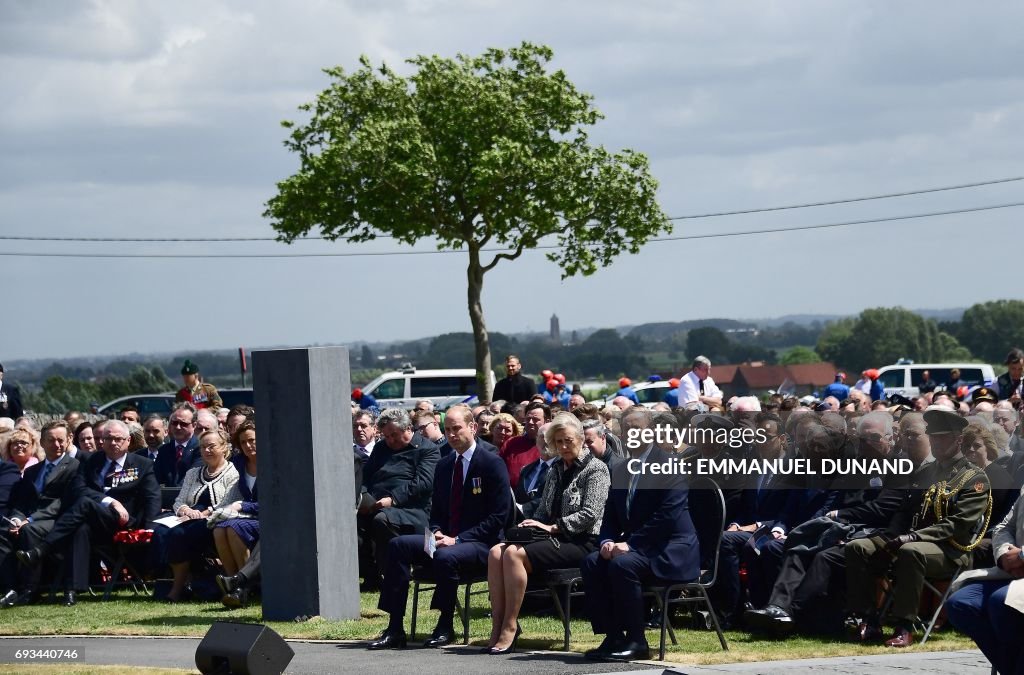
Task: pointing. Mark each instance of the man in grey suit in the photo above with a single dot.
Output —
(46, 489)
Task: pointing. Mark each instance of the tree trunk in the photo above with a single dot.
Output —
(474, 287)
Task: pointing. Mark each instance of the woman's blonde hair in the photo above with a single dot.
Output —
(33, 440)
(517, 428)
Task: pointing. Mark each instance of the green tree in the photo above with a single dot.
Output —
(709, 342)
(882, 335)
(488, 155)
(366, 357)
(799, 354)
(991, 329)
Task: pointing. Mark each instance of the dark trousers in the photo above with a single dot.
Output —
(84, 522)
(29, 536)
(980, 611)
(725, 594)
(763, 566)
(914, 562)
(251, 569)
(614, 594)
(375, 533)
(448, 563)
(804, 578)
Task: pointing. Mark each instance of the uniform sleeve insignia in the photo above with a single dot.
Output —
(979, 487)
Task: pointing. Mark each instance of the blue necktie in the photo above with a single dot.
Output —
(43, 475)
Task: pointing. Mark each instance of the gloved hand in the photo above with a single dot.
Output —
(894, 543)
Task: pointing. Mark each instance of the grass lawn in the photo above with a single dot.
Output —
(71, 669)
(129, 615)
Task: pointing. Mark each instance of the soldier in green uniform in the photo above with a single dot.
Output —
(931, 536)
(198, 393)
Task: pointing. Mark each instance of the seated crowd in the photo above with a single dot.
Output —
(543, 481)
(189, 483)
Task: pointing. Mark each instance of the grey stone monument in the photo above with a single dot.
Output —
(307, 489)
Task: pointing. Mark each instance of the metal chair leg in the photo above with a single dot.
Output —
(465, 617)
(415, 607)
(567, 616)
(663, 601)
(938, 610)
(714, 618)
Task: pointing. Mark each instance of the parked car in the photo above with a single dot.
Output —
(648, 393)
(904, 378)
(162, 403)
(401, 389)
(146, 403)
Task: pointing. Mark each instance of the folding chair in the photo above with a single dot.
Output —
(422, 579)
(116, 557)
(696, 592)
(564, 585)
(929, 584)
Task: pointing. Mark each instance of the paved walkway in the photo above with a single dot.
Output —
(967, 662)
(320, 657)
(334, 657)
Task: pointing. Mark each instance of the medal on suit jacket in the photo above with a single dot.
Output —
(126, 476)
(477, 485)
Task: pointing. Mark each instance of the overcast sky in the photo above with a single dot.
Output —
(146, 119)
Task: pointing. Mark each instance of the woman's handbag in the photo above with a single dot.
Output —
(525, 535)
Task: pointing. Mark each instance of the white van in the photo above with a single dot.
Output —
(401, 389)
(904, 378)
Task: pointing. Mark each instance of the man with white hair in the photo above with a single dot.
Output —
(119, 492)
(696, 388)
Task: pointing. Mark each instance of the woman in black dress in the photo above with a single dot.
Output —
(570, 511)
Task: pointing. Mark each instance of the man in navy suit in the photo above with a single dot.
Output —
(470, 506)
(181, 452)
(45, 492)
(646, 535)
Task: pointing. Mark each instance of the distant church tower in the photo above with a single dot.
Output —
(556, 333)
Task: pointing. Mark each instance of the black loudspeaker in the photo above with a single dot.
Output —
(242, 649)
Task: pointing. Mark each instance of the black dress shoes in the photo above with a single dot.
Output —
(608, 645)
(236, 598)
(9, 599)
(772, 618)
(389, 640)
(633, 651)
(229, 584)
(70, 599)
(440, 638)
(29, 558)
(28, 597)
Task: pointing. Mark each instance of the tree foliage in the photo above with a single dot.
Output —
(60, 394)
(483, 154)
(881, 336)
(991, 329)
(798, 355)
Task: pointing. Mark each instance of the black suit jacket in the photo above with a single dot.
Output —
(169, 475)
(138, 491)
(12, 406)
(486, 498)
(407, 476)
(658, 525)
(514, 389)
(62, 488)
(521, 495)
(10, 474)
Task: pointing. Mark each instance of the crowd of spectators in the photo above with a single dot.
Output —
(515, 488)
